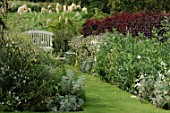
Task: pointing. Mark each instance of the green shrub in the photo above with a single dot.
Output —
(131, 57)
(71, 95)
(30, 77)
(65, 31)
(123, 59)
(144, 5)
(70, 58)
(105, 63)
(23, 74)
(85, 50)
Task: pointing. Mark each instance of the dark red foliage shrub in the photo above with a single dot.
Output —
(124, 22)
(108, 24)
(92, 27)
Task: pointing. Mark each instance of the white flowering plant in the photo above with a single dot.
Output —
(154, 89)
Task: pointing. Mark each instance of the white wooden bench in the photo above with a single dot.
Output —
(42, 38)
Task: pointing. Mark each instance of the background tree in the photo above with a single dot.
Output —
(3, 15)
(142, 5)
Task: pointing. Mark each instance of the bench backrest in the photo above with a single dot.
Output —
(42, 38)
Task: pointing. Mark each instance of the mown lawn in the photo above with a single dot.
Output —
(105, 98)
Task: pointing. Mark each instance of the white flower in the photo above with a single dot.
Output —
(66, 20)
(165, 92)
(141, 77)
(19, 102)
(137, 85)
(161, 76)
(94, 42)
(139, 57)
(95, 59)
(163, 63)
(24, 81)
(7, 45)
(2, 68)
(17, 98)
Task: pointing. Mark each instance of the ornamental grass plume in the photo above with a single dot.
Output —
(73, 5)
(66, 20)
(84, 9)
(64, 8)
(58, 7)
(78, 7)
(22, 9)
(44, 10)
(70, 9)
(50, 11)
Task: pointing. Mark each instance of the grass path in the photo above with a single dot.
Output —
(105, 98)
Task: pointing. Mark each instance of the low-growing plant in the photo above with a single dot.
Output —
(71, 95)
(154, 88)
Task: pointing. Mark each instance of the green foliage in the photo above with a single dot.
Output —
(123, 59)
(141, 5)
(67, 103)
(154, 88)
(66, 28)
(71, 94)
(163, 33)
(130, 55)
(101, 4)
(69, 86)
(23, 74)
(98, 14)
(30, 21)
(63, 33)
(3, 15)
(30, 77)
(105, 63)
(85, 50)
